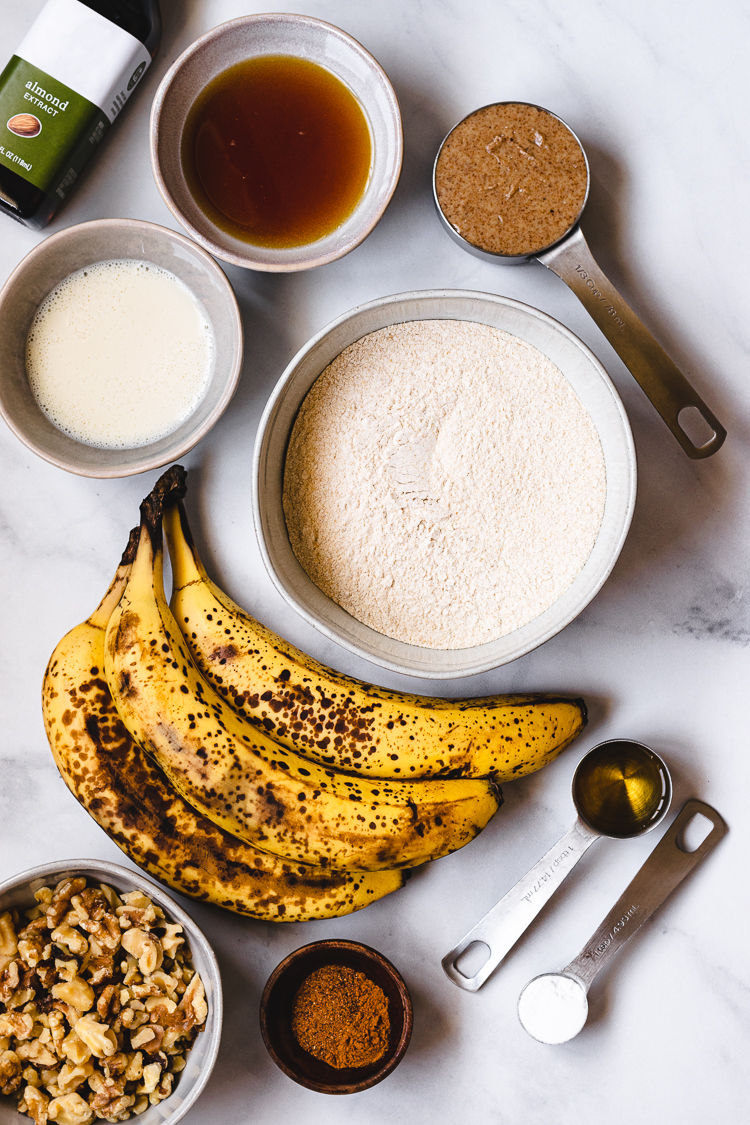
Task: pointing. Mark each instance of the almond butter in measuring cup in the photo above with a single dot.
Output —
(511, 178)
(510, 183)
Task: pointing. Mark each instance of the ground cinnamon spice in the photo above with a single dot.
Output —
(341, 1017)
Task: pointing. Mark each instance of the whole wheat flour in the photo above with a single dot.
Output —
(444, 483)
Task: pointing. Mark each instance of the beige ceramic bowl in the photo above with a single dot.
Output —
(276, 34)
(590, 382)
(19, 892)
(55, 259)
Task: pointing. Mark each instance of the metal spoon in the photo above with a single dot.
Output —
(553, 1007)
(501, 928)
(571, 259)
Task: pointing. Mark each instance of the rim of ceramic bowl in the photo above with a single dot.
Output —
(268, 466)
(246, 261)
(364, 954)
(197, 939)
(155, 461)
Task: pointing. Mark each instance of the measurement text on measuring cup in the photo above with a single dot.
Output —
(547, 874)
(618, 926)
(582, 273)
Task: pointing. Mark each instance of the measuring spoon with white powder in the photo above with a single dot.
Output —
(510, 183)
(553, 1007)
(621, 790)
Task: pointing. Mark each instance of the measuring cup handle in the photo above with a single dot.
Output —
(501, 928)
(657, 375)
(664, 869)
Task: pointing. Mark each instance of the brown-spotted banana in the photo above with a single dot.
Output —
(234, 773)
(343, 722)
(136, 806)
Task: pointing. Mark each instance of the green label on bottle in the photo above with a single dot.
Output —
(47, 130)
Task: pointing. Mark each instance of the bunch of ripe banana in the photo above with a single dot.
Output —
(236, 769)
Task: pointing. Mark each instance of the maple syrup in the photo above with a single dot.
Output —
(277, 151)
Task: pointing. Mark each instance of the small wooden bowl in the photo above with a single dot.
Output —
(276, 1016)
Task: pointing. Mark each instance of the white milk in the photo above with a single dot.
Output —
(119, 354)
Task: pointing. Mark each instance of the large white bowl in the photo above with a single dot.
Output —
(200, 1059)
(276, 33)
(592, 385)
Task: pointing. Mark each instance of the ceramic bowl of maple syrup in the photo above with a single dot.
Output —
(276, 142)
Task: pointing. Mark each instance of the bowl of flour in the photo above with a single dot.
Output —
(443, 481)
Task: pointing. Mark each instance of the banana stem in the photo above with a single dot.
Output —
(186, 565)
(147, 571)
(111, 599)
(168, 490)
(149, 561)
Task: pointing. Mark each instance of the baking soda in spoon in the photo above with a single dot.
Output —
(553, 1008)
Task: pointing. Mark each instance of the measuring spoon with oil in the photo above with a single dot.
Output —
(480, 174)
(553, 1007)
(621, 789)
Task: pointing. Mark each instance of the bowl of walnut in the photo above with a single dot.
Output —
(110, 998)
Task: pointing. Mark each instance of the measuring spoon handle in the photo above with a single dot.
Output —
(664, 869)
(662, 381)
(501, 928)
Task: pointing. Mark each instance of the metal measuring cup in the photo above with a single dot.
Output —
(553, 1007)
(571, 259)
(502, 926)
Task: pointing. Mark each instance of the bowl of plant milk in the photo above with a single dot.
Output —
(120, 347)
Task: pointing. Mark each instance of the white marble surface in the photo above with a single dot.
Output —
(656, 93)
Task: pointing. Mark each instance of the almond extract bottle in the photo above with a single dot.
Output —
(67, 82)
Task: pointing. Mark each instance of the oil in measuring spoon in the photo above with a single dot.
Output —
(621, 789)
(277, 151)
